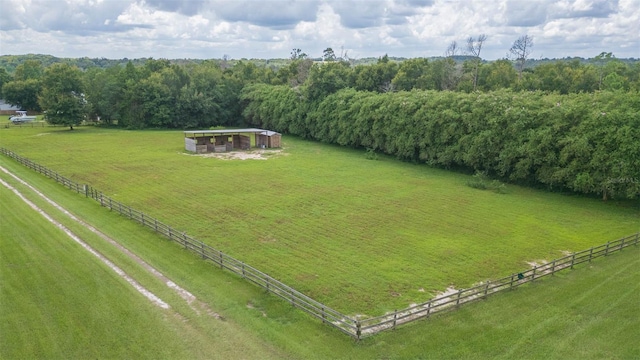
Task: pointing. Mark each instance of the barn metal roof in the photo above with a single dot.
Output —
(230, 131)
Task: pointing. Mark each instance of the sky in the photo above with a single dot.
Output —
(206, 29)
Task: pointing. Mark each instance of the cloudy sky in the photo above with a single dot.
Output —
(272, 28)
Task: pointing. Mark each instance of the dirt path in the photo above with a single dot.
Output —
(148, 294)
(193, 302)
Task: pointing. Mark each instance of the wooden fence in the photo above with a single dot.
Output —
(355, 327)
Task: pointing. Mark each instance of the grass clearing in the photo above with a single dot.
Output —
(59, 301)
(361, 236)
(587, 313)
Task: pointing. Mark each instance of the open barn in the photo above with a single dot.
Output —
(207, 141)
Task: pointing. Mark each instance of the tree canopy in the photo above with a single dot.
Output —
(62, 96)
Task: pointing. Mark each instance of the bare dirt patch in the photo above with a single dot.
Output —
(258, 154)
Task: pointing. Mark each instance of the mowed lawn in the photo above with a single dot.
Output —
(362, 236)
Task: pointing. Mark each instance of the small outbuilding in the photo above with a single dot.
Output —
(206, 141)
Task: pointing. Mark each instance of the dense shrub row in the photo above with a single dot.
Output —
(587, 143)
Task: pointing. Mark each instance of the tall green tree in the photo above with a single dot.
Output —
(22, 93)
(4, 78)
(30, 69)
(25, 87)
(62, 95)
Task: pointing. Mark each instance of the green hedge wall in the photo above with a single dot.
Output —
(587, 143)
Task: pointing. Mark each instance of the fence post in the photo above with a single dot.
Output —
(110, 204)
(101, 200)
(573, 259)
(142, 218)
(606, 250)
(458, 299)
(267, 281)
(170, 234)
(590, 254)
(323, 314)
(511, 282)
(533, 274)
(156, 225)
(358, 331)
(243, 275)
(220, 252)
(86, 189)
(622, 244)
(293, 299)
(202, 249)
(428, 309)
(395, 315)
(486, 289)
(553, 268)
(184, 239)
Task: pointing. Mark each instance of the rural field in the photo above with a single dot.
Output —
(75, 307)
(362, 236)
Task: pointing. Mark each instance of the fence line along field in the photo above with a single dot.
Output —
(59, 301)
(594, 307)
(365, 237)
(356, 327)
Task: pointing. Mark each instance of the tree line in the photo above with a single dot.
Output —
(565, 125)
(163, 93)
(587, 143)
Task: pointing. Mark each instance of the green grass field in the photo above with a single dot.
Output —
(57, 302)
(364, 237)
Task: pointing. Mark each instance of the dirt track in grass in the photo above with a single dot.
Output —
(195, 304)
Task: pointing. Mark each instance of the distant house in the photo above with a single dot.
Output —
(7, 109)
(206, 141)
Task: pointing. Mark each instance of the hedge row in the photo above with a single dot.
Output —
(586, 143)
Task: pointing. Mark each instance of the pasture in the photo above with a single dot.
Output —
(587, 313)
(364, 237)
(60, 302)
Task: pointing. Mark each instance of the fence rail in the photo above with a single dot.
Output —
(355, 327)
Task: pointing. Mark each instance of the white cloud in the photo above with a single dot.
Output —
(271, 28)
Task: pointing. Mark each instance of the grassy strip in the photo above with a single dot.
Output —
(361, 236)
